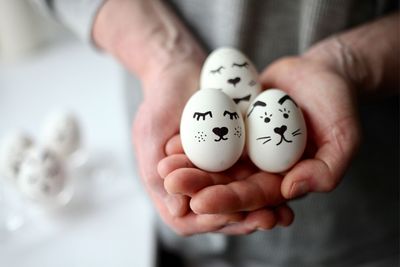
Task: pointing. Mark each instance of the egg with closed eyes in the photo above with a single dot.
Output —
(231, 71)
(276, 131)
(212, 130)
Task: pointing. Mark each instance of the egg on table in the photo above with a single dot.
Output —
(231, 71)
(276, 131)
(42, 176)
(13, 148)
(61, 133)
(212, 130)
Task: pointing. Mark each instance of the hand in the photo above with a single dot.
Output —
(327, 99)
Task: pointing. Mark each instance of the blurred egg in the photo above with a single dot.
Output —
(276, 131)
(13, 148)
(231, 71)
(61, 133)
(42, 176)
(212, 130)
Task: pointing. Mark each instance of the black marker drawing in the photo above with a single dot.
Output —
(257, 104)
(234, 81)
(217, 70)
(281, 131)
(245, 98)
(232, 115)
(297, 132)
(267, 118)
(238, 132)
(198, 115)
(220, 132)
(265, 138)
(201, 137)
(243, 65)
(285, 113)
(284, 98)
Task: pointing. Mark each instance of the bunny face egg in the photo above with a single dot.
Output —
(42, 175)
(231, 71)
(276, 131)
(212, 130)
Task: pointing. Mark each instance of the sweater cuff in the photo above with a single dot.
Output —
(77, 15)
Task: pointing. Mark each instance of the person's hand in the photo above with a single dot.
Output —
(242, 189)
(324, 92)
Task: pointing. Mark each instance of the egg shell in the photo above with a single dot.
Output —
(42, 176)
(12, 152)
(212, 130)
(231, 71)
(276, 131)
(61, 133)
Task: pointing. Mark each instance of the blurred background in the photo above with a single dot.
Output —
(108, 221)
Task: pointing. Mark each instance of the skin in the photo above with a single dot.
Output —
(242, 199)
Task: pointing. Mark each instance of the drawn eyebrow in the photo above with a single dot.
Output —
(217, 70)
(198, 115)
(257, 104)
(243, 65)
(284, 98)
(232, 115)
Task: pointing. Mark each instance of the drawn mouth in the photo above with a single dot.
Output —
(283, 139)
(245, 98)
(220, 138)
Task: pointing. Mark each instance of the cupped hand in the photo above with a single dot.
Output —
(156, 122)
(328, 100)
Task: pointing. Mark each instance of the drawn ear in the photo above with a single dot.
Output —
(284, 98)
(257, 104)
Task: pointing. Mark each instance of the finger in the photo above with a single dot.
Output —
(189, 181)
(324, 172)
(172, 163)
(259, 190)
(285, 215)
(195, 224)
(241, 169)
(174, 146)
(262, 219)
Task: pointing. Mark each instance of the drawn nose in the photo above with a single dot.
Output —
(220, 131)
(280, 130)
(234, 81)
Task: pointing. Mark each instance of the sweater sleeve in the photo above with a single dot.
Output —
(77, 15)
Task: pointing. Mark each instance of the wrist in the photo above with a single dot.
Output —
(144, 36)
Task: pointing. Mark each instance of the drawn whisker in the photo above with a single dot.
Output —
(266, 138)
(297, 132)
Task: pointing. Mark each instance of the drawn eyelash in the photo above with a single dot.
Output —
(232, 115)
(217, 70)
(243, 65)
(198, 115)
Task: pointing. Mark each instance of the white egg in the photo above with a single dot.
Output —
(42, 176)
(12, 152)
(231, 71)
(61, 133)
(212, 130)
(276, 131)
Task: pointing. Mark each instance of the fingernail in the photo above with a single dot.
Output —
(299, 188)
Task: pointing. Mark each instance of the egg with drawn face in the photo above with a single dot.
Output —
(42, 176)
(212, 130)
(276, 131)
(231, 71)
(13, 148)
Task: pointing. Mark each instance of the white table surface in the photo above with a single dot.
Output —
(109, 222)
